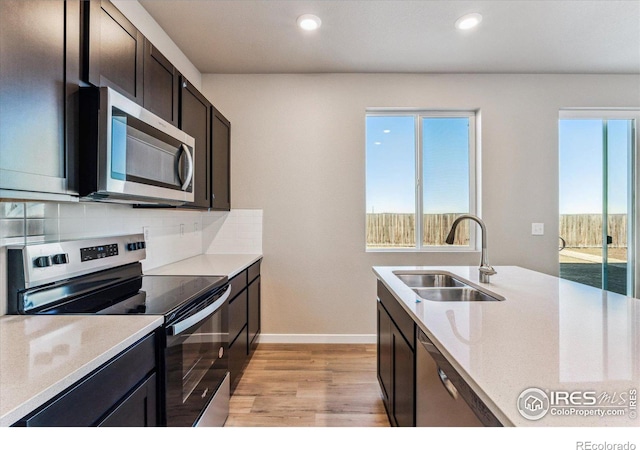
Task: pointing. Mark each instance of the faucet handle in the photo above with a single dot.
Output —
(487, 270)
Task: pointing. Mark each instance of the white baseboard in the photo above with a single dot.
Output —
(317, 338)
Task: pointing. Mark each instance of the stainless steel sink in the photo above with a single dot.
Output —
(429, 280)
(444, 287)
(465, 294)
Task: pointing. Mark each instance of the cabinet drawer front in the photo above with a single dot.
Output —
(253, 271)
(399, 316)
(237, 315)
(238, 352)
(253, 319)
(238, 283)
(86, 402)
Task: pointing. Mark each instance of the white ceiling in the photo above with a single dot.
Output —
(515, 36)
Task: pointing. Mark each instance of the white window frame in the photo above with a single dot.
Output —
(474, 175)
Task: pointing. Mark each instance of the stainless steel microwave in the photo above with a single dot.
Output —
(130, 155)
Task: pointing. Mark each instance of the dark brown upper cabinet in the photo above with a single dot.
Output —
(195, 120)
(220, 161)
(161, 84)
(39, 78)
(112, 49)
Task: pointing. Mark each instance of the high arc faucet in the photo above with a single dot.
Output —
(485, 268)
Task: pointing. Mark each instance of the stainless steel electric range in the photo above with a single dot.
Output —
(104, 276)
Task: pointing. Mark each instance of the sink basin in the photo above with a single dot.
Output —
(465, 294)
(414, 280)
(444, 287)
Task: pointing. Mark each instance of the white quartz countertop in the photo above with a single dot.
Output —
(208, 265)
(551, 334)
(40, 356)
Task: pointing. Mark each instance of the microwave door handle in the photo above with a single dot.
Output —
(187, 180)
(190, 321)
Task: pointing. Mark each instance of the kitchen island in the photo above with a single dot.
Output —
(551, 334)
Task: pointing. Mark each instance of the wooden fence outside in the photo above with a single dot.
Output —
(585, 230)
(398, 230)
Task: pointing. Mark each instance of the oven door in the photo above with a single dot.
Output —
(196, 365)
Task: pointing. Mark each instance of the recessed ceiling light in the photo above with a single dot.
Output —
(468, 21)
(309, 22)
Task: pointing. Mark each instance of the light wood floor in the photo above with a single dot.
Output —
(291, 385)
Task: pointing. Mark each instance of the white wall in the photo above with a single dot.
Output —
(298, 153)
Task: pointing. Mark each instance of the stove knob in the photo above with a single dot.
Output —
(60, 258)
(140, 245)
(42, 261)
(132, 246)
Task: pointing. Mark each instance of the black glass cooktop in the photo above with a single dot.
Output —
(164, 294)
(123, 290)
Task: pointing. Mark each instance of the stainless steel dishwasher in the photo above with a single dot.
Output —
(443, 398)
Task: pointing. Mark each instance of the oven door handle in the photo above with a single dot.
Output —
(190, 321)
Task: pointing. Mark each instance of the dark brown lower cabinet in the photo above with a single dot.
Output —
(396, 360)
(253, 318)
(238, 354)
(121, 393)
(244, 320)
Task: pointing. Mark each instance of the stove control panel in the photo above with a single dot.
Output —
(41, 263)
(98, 251)
(46, 261)
(132, 246)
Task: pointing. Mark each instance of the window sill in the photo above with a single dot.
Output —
(423, 250)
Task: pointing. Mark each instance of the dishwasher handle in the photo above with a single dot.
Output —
(444, 379)
(448, 385)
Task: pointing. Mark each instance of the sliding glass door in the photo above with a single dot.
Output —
(597, 212)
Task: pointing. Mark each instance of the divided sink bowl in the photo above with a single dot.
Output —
(444, 287)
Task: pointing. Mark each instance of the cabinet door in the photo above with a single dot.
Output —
(403, 381)
(161, 84)
(138, 409)
(220, 162)
(237, 315)
(254, 312)
(39, 54)
(385, 355)
(112, 50)
(195, 120)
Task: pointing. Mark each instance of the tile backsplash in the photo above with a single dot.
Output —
(238, 231)
(171, 235)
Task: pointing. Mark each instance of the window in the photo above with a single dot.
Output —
(597, 200)
(420, 170)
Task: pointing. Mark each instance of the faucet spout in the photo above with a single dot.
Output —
(485, 268)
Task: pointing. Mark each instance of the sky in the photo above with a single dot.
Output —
(391, 164)
(581, 166)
